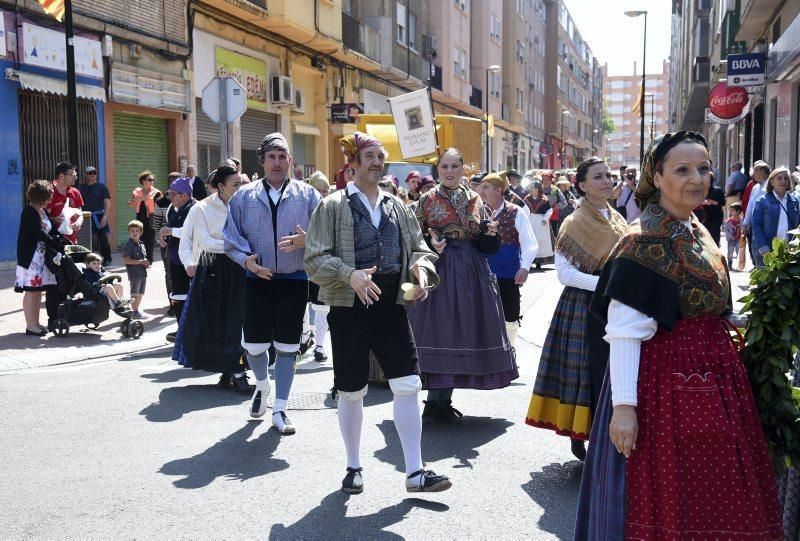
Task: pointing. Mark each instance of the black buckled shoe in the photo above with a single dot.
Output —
(449, 414)
(430, 413)
(240, 384)
(353, 483)
(578, 449)
(224, 380)
(427, 481)
(319, 354)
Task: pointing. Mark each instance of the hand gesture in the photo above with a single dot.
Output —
(491, 228)
(521, 277)
(252, 265)
(438, 245)
(624, 429)
(290, 243)
(421, 291)
(165, 232)
(191, 270)
(361, 281)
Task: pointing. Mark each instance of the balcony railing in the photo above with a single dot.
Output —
(701, 70)
(259, 3)
(360, 37)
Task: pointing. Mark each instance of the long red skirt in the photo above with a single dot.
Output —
(700, 469)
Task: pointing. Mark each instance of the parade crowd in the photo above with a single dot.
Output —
(422, 278)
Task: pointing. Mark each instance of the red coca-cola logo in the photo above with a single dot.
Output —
(727, 101)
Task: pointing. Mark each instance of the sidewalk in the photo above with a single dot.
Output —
(19, 351)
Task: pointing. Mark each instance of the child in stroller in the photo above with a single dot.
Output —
(94, 274)
(86, 304)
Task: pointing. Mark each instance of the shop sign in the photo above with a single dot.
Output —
(48, 49)
(727, 104)
(413, 120)
(545, 149)
(346, 113)
(249, 71)
(747, 69)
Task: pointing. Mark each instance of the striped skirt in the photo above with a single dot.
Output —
(562, 394)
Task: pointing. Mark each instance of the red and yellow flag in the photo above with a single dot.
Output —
(54, 8)
(637, 107)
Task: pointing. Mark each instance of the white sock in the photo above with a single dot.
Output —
(408, 423)
(321, 328)
(280, 405)
(351, 416)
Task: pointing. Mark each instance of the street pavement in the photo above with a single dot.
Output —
(131, 445)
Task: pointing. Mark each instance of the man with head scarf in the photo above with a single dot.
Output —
(266, 234)
(365, 243)
(412, 181)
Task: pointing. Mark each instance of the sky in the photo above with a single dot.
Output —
(616, 39)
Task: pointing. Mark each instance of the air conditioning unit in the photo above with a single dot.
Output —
(433, 43)
(282, 90)
(299, 104)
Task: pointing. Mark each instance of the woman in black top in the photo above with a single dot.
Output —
(33, 275)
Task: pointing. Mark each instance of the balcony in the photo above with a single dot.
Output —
(360, 37)
(476, 99)
(258, 3)
(694, 114)
(755, 16)
(701, 70)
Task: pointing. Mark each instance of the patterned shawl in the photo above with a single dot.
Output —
(586, 237)
(454, 214)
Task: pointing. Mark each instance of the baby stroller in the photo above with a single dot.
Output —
(91, 307)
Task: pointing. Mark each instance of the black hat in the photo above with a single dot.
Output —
(513, 173)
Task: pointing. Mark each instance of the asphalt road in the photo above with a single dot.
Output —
(139, 447)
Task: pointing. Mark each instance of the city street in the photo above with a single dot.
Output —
(139, 447)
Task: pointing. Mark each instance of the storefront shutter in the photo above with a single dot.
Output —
(208, 155)
(140, 143)
(254, 126)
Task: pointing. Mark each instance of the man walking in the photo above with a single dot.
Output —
(735, 184)
(266, 234)
(181, 202)
(515, 185)
(199, 191)
(97, 200)
(365, 243)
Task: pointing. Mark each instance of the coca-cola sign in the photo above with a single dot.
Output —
(727, 102)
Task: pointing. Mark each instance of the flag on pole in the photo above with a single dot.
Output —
(637, 107)
(54, 8)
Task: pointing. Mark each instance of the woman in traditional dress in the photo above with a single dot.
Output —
(678, 451)
(460, 330)
(540, 210)
(212, 327)
(568, 382)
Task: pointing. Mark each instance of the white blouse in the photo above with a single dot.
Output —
(569, 275)
(202, 230)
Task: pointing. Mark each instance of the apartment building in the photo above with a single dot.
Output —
(622, 95)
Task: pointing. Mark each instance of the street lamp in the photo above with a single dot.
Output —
(644, 79)
(564, 113)
(594, 133)
(494, 68)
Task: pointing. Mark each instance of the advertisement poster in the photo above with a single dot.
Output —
(2, 35)
(413, 119)
(48, 49)
(249, 71)
(346, 113)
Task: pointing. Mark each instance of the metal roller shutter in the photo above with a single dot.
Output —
(254, 126)
(140, 143)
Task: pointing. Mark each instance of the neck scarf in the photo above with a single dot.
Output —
(587, 237)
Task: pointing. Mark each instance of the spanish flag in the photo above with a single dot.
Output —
(637, 107)
(54, 8)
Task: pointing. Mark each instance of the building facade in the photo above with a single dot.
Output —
(622, 97)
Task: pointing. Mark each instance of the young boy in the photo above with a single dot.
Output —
(94, 272)
(136, 264)
(733, 230)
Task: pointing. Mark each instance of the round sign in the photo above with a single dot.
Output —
(727, 101)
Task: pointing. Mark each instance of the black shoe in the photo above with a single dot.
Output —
(171, 311)
(240, 384)
(305, 346)
(40, 332)
(579, 449)
(430, 413)
(353, 482)
(224, 381)
(427, 481)
(171, 337)
(273, 354)
(319, 354)
(449, 414)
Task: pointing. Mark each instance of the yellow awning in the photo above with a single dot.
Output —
(48, 85)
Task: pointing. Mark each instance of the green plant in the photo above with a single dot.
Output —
(771, 340)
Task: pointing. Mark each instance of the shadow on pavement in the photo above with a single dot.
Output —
(233, 457)
(329, 520)
(174, 376)
(441, 442)
(555, 488)
(175, 402)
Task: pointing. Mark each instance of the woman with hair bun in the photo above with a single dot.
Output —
(211, 329)
(574, 356)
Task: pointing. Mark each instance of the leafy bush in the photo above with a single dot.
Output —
(772, 338)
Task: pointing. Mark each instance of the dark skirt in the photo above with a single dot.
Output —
(212, 329)
(571, 368)
(700, 469)
(460, 329)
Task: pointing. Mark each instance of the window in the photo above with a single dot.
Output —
(559, 78)
(520, 52)
(519, 100)
(495, 79)
(495, 28)
(459, 62)
(462, 5)
(520, 7)
(412, 31)
(402, 36)
(616, 85)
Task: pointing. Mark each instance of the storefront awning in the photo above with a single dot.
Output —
(48, 85)
(306, 129)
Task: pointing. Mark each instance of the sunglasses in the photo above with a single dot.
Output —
(92, 173)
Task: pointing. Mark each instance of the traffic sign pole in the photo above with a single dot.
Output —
(224, 151)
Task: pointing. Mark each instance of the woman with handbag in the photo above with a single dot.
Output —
(460, 330)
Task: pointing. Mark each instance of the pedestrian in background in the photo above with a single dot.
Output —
(33, 276)
(159, 220)
(623, 194)
(714, 211)
(735, 184)
(199, 191)
(774, 214)
(134, 254)
(677, 450)
(181, 202)
(143, 202)
(540, 212)
(515, 184)
(753, 191)
(574, 356)
(97, 200)
(555, 198)
(733, 231)
(318, 311)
